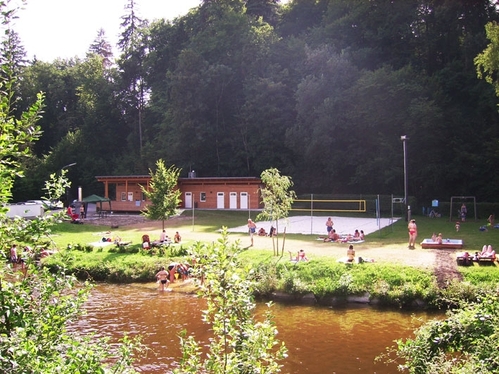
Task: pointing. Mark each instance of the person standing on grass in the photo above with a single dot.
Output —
(413, 233)
(464, 211)
(162, 277)
(251, 229)
(329, 225)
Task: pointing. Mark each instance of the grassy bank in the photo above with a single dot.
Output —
(389, 283)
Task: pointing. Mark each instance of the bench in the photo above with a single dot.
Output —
(486, 260)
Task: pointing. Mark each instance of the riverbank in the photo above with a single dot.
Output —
(398, 276)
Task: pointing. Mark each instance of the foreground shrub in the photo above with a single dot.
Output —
(35, 311)
(465, 342)
(240, 343)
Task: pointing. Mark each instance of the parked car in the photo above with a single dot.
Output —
(47, 205)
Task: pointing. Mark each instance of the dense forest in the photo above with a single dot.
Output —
(323, 90)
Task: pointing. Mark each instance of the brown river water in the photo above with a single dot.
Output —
(319, 339)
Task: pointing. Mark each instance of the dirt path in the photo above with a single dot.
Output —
(441, 261)
(446, 267)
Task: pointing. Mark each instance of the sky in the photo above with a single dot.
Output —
(51, 29)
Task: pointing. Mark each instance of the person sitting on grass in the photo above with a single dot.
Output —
(336, 237)
(262, 232)
(177, 238)
(162, 236)
(301, 256)
(347, 238)
(356, 235)
(146, 242)
(350, 254)
(272, 231)
(329, 237)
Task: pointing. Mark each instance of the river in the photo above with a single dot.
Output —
(319, 339)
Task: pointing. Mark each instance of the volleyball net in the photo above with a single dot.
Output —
(321, 205)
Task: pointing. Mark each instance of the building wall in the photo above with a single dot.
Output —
(212, 195)
(200, 193)
(129, 196)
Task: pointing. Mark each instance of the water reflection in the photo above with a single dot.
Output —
(319, 339)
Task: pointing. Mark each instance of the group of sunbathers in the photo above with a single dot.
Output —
(163, 239)
(334, 237)
(487, 253)
(272, 232)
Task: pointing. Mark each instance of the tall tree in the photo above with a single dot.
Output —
(267, 9)
(101, 47)
(132, 45)
(162, 193)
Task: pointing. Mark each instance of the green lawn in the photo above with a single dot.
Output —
(210, 221)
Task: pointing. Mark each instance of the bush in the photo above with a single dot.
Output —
(465, 342)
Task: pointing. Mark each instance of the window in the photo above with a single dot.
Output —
(202, 197)
(123, 196)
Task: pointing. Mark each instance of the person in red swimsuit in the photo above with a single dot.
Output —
(413, 233)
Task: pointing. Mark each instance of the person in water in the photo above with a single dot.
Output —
(162, 277)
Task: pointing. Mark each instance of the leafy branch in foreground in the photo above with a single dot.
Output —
(36, 307)
(240, 343)
(464, 342)
(35, 312)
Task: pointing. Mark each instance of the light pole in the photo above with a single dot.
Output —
(68, 166)
(65, 167)
(404, 138)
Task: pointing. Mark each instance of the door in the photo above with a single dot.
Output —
(243, 204)
(233, 200)
(220, 200)
(188, 200)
